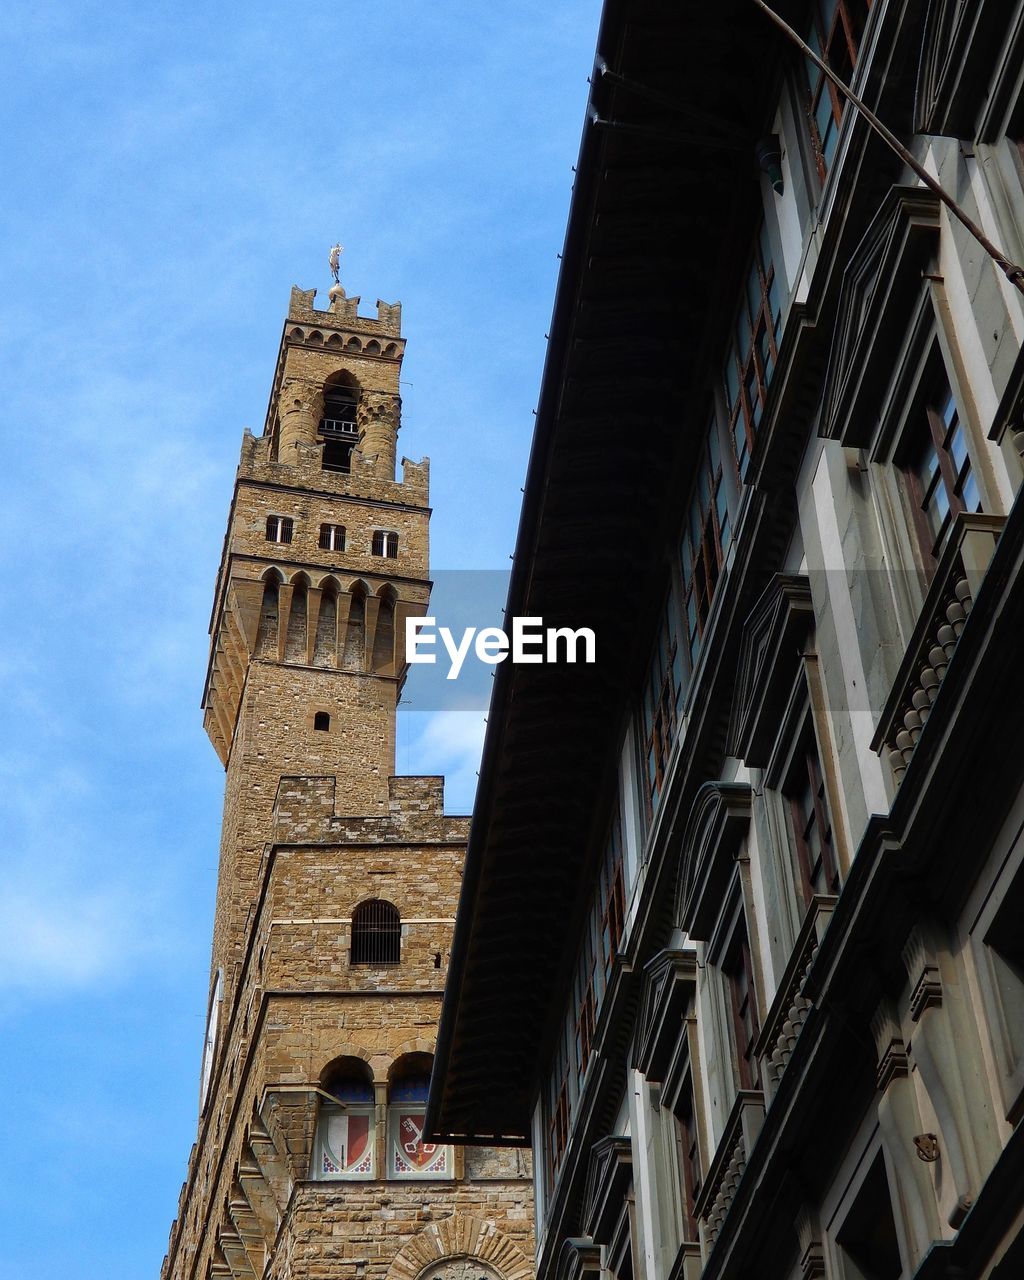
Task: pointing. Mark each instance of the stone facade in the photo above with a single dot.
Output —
(306, 668)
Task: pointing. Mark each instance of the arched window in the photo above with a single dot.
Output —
(385, 543)
(338, 428)
(376, 933)
(321, 720)
(344, 1136)
(408, 1155)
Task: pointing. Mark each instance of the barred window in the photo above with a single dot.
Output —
(835, 33)
(332, 537)
(279, 528)
(384, 543)
(754, 349)
(376, 933)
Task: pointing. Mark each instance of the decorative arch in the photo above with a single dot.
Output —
(325, 639)
(372, 347)
(460, 1238)
(298, 612)
(383, 658)
(353, 344)
(270, 608)
(353, 656)
(345, 1052)
(335, 340)
(345, 1138)
(391, 349)
(314, 335)
(719, 818)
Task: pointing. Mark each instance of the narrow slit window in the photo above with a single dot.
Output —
(322, 721)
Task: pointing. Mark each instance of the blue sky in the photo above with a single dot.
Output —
(168, 172)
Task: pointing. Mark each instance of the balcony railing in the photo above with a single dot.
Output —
(730, 1160)
(790, 1007)
(958, 576)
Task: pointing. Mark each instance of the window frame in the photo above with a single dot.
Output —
(817, 85)
(388, 543)
(744, 355)
(284, 529)
(388, 933)
(329, 540)
(949, 478)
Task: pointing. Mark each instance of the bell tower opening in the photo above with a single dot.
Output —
(338, 429)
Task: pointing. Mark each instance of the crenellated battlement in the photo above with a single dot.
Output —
(256, 462)
(343, 312)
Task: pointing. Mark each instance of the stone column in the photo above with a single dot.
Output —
(378, 431)
(299, 409)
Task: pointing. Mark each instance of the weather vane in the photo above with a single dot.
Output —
(335, 259)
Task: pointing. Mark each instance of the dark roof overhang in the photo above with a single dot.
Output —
(659, 226)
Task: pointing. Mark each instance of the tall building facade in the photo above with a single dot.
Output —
(338, 881)
(751, 887)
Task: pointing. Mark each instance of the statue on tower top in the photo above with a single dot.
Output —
(335, 259)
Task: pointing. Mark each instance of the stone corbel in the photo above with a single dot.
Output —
(900, 1123)
(811, 1249)
(944, 1054)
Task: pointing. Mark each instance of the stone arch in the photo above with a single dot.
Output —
(298, 334)
(383, 657)
(460, 1238)
(314, 335)
(344, 1051)
(373, 347)
(335, 340)
(266, 635)
(354, 344)
(417, 1045)
(391, 349)
(353, 655)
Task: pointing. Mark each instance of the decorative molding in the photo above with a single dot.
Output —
(791, 1005)
(962, 566)
(893, 1062)
(812, 1251)
(773, 636)
(669, 987)
(578, 1259)
(923, 971)
(719, 818)
(880, 283)
(442, 1245)
(609, 1178)
(961, 46)
(741, 1130)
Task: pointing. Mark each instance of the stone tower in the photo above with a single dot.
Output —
(338, 881)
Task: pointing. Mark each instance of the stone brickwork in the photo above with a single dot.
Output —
(306, 667)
